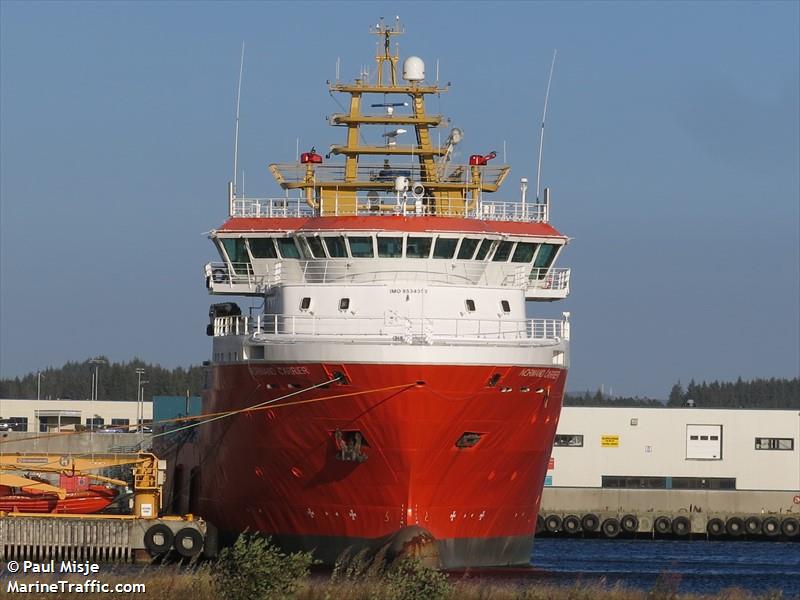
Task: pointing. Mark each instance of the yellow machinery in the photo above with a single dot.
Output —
(148, 474)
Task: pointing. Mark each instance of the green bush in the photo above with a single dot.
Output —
(409, 579)
(254, 569)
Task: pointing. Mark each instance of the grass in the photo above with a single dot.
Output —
(254, 569)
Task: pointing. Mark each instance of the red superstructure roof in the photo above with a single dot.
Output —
(389, 223)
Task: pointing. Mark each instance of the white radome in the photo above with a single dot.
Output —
(413, 69)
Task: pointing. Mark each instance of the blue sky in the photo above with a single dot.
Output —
(672, 149)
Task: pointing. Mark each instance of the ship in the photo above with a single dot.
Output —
(386, 388)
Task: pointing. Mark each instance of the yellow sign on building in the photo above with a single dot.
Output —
(609, 441)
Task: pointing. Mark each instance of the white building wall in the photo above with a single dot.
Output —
(654, 442)
(85, 409)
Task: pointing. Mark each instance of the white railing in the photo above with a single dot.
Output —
(396, 328)
(530, 212)
(220, 275)
(549, 279)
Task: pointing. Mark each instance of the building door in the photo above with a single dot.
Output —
(704, 442)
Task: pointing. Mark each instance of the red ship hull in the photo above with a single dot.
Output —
(279, 469)
(88, 501)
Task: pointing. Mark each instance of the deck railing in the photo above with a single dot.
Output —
(396, 328)
(495, 210)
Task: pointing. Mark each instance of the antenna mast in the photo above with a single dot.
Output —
(236, 130)
(541, 133)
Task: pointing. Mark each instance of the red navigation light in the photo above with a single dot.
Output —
(310, 157)
(477, 159)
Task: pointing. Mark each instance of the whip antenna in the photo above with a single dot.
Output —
(236, 130)
(541, 133)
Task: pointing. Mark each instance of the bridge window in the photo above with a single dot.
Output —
(467, 248)
(418, 247)
(445, 247)
(523, 252)
(545, 256)
(336, 247)
(262, 248)
(470, 305)
(503, 252)
(287, 248)
(390, 247)
(484, 249)
(315, 246)
(236, 250)
(361, 247)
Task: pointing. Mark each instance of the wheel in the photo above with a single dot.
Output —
(188, 542)
(629, 523)
(790, 527)
(571, 524)
(552, 524)
(771, 527)
(734, 526)
(663, 525)
(610, 527)
(539, 524)
(158, 539)
(590, 522)
(715, 527)
(752, 525)
(211, 543)
(681, 526)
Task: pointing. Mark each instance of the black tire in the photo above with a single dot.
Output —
(571, 524)
(219, 275)
(539, 524)
(790, 527)
(552, 523)
(158, 539)
(663, 525)
(629, 523)
(771, 527)
(734, 526)
(715, 527)
(752, 525)
(590, 522)
(211, 543)
(610, 527)
(681, 526)
(188, 542)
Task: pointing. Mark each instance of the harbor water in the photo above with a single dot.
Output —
(700, 567)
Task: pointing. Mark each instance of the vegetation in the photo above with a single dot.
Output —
(118, 381)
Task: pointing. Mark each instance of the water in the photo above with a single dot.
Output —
(700, 567)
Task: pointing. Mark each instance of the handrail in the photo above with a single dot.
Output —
(396, 328)
(495, 210)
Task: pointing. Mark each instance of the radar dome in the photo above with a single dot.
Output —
(413, 69)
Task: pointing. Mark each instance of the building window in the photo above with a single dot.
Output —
(305, 303)
(505, 306)
(765, 443)
(14, 424)
(571, 440)
(702, 483)
(344, 303)
(95, 422)
(624, 482)
(470, 305)
(120, 421)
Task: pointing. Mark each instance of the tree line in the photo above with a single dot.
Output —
(119, 381)
(116, 381)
